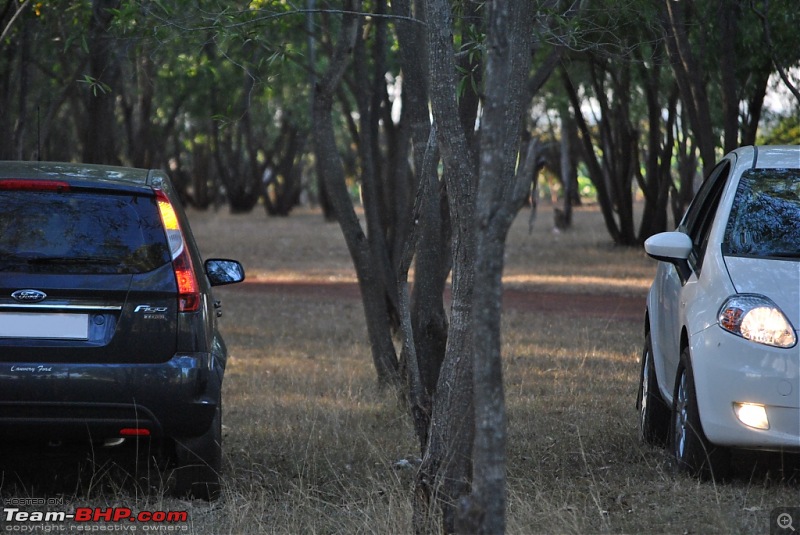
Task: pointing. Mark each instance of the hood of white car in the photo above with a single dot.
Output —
(778, 280)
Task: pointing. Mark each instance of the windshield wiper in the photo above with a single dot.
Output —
(793, 254)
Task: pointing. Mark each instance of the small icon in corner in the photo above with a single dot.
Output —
(782, 520)
(785, 521)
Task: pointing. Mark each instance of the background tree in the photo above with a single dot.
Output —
(464, 452)
(502, 190)
(730, 52)
(219, 92)
(330, 167)
(103, 81)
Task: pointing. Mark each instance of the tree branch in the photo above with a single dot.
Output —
(768, 38)
(19, 11)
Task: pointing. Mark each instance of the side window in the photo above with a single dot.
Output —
(700, 216)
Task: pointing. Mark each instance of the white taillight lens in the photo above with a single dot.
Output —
(756, 318)
(188, 290)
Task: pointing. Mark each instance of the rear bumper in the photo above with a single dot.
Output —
(177, 398)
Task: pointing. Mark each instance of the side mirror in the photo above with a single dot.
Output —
(672, 247)
(221, 271)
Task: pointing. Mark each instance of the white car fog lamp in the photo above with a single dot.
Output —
(752, 415)
(758, 319)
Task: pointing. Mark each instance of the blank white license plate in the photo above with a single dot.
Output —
(42, 325)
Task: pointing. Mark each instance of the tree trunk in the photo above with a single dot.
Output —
(329, 166)
(428, 319)
(755, 106)
(419, 394)
(691, 79)
(596, 174)
(99, 140)
(658, 177)
(20, 132)
(686, 155)
(569, 170)
(372, 183)
(446, 469)
(500, 195)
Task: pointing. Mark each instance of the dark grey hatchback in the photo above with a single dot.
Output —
(108, 328)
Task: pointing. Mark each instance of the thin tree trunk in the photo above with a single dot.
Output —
(500, 196)
(419, 395)
(99, 141)
(371, 176)
(446, 470)
(690, 78)
(427, 304)
(329, 165)
(595, 170)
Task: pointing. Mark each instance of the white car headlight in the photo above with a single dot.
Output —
(756, 318)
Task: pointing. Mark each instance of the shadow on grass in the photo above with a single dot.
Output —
(82, 469)
(766, 468)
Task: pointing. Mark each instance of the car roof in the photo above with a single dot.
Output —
(105, 174)
(771, 156)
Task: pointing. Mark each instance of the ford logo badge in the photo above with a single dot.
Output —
(29, 296)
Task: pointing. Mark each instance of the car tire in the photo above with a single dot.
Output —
(693, 453)
(654, 413)
(199, 462)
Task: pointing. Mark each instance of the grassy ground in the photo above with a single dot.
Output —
(311, 445)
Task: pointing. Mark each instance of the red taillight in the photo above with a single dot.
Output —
(189, 295)
(134, 432)
(188, 289)
(19, 184)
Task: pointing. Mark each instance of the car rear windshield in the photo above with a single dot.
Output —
(765, 218)
(80, 232)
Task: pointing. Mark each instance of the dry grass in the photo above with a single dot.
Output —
(310, 444)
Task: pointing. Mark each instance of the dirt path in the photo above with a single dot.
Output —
(610, 306)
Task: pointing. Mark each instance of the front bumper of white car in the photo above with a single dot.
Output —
(730, 370)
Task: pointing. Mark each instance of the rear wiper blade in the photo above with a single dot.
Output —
(75, 260)
(13, 262)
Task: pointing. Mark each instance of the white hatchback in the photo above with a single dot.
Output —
(721, 362)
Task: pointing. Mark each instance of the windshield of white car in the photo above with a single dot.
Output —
(765, 217)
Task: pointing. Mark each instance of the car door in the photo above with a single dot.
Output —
(675, 291)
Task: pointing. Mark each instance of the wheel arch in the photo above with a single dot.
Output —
(684, 341)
